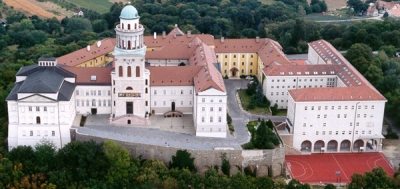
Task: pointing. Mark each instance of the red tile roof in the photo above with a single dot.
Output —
(75, 58)
(238, 45)
(271, 54)
(172, 75)
(357, 87)
(359, 93)
(84, 76)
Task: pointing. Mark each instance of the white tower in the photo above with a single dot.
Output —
(130, 79)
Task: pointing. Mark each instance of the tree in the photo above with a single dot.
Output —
(76, 24)
(357, 5)
(99, 25)
(225, 165)
(182, 159)
(120, 165)
(360, 55)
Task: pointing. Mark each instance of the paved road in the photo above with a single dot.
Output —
(181, 140)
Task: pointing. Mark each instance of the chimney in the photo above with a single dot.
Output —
(222, 39)
(98, 44)
(257, 39)
(88, 48)
(189, 33)
(155, 35)
(163, 34)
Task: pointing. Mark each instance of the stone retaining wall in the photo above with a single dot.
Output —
(262, 162)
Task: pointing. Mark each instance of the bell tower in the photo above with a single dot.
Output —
(130, 78)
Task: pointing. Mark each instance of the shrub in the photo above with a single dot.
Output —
(182, 159)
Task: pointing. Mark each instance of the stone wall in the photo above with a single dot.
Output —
(263, 162)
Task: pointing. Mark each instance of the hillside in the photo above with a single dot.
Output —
(41, 9)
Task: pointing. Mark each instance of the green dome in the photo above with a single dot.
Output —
(129, 12)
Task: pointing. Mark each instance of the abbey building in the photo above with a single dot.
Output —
(129, 79)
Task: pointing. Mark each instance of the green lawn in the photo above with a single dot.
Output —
(245, 100)
(100, 6)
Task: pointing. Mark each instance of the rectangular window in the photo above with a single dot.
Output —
(45, 109)
(219, 109)
(203, 100)
(37, 108)
(30, 133)
(220, 119)
(203, 109)
(202, 119)
(77, 92)
(211, 119)
(53, 133)
(99, 92)
(211, 109)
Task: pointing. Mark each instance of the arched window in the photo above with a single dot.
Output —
(129, 88)
(146, 82)
(146, 91)
(123, 44)
(129, 26)
(120, 71)
(135, 26)
(37, 120)
(129, 44)
(122, 25)
(137, 71)
(129, 71)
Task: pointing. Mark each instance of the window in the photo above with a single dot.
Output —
(45, 109)
(203, 100)
(30, 133)
(147, 103)
(202, 119)
(93, 102)
(220, 119)
(305, 107)
(53, 133)
(146, 90)
(37, 108)
(211, 109)
(146, 82)
(325, 116)
(99, 102)
(120, 71)
(203, 109)
(38, 120)
(155, 92)
(211, 119)
(220, 109)
(129, 71)
(137, 71)
(316, 132)
(77, 92)
(318, 116)
(372, 107)
(324, 124)
(99, 92)
(338, 116)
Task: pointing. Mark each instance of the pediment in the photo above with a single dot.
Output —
(36, 98)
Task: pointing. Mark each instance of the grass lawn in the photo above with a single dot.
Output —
(245, 100)
(282, 112)
(100, 6)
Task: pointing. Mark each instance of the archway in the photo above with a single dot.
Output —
(234, 71)
(358, 144)
(332, 146)
(129, 88)
(306, 146)
(372, 145)
(319, 145)
(345, 146)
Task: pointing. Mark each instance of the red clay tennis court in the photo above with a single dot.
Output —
(334, 168)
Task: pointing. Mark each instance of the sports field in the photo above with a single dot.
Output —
(334, 168)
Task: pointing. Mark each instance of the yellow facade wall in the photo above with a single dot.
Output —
(243, 63)
(99, 61)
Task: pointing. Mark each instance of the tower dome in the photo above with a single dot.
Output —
(129, 12)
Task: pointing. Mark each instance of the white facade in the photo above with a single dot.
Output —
(171, 98)
(275, 88)
(92, 99)
(336, 125)
(210, 114)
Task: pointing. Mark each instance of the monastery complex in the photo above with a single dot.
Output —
(330, 105)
